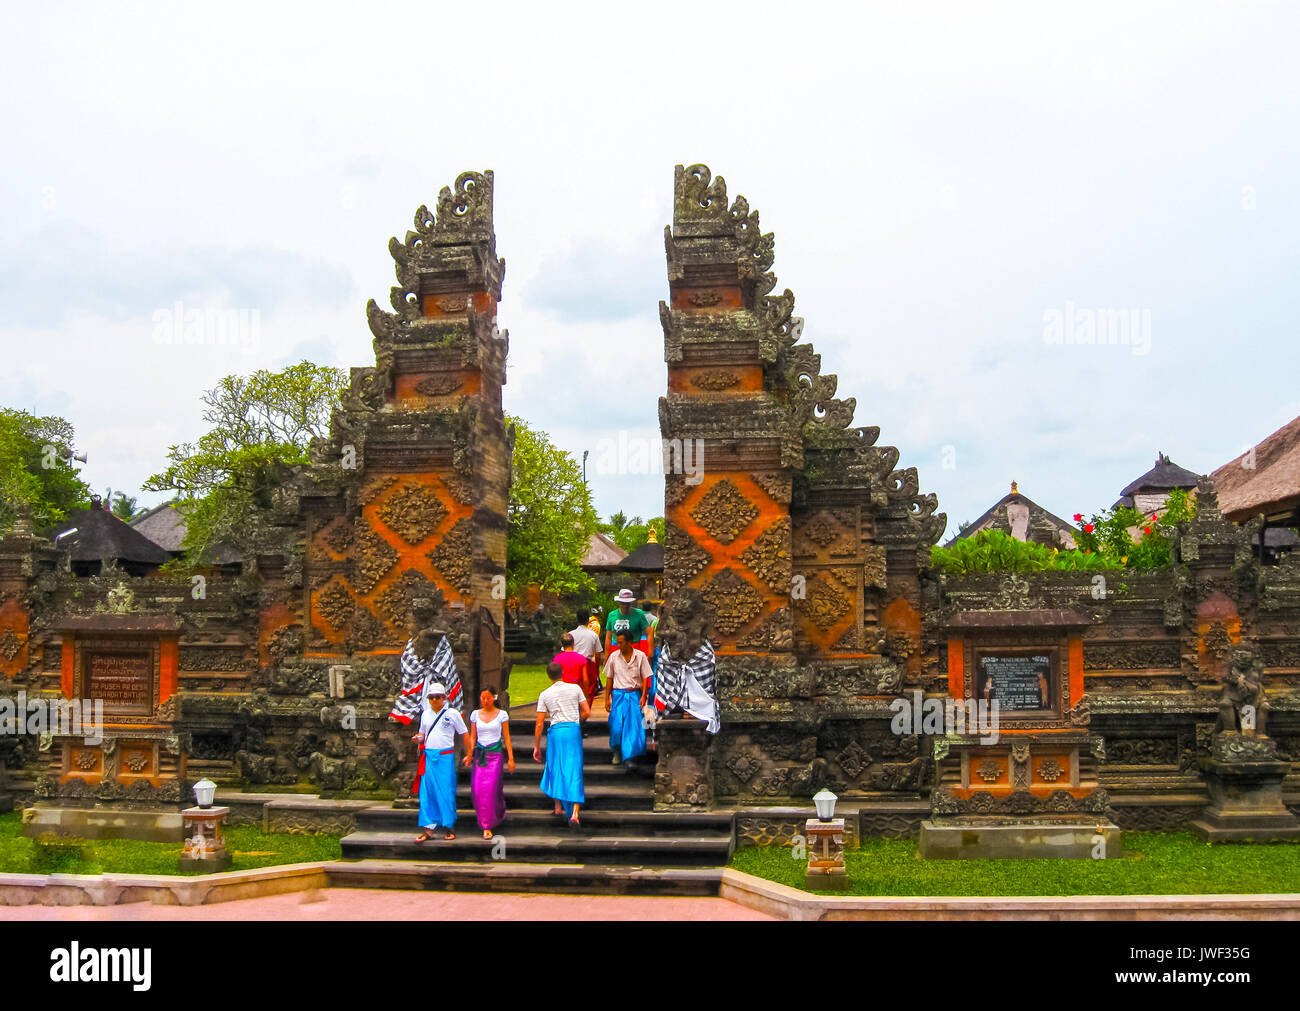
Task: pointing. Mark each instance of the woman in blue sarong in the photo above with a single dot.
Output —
(627, 675)
(567, 707)
(439, 725)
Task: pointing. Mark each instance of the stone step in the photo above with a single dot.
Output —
(593, 773)
(574, 879)
(383, 818)
(630, 795)
(556, 847)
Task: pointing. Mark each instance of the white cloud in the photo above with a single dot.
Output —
(936, 175)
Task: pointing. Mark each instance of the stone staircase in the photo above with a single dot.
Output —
(624, 845)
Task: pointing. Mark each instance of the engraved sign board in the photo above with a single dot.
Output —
(1019, 681)
(123, 681)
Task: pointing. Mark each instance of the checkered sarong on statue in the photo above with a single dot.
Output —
(689, 685)
(418, 674)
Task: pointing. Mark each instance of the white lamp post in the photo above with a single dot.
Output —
(825, 835)
(205, 790)
(205, 849)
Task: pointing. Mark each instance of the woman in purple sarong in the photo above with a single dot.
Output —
(489, 752)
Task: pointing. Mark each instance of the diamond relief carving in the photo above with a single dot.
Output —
(821, 529)
(413, 513)
(825, 604)
(688, 558)
(724, 512)
(335, 605)
(769, 556)
(374, 557)
(733, 601)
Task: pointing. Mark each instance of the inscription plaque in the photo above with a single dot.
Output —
(123, 681)
(1019, 681)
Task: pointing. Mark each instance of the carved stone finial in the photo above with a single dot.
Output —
(698, 196)
(464, 213)
(1207, 499)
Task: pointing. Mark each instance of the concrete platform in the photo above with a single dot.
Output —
(102, 823)
(971, 839)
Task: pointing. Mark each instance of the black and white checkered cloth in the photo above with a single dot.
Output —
(418, 674)
(682, 684)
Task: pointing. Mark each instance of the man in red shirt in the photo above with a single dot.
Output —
(573, 663)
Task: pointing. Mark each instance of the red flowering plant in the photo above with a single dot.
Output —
(1111, 533)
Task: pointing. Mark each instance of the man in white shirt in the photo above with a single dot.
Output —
(439, 725)
(567, 706)
(587, 642)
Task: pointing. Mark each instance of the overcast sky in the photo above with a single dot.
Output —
(943, 181)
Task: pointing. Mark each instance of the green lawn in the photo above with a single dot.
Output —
(249, 846)
(527, 682)
(1154, 863)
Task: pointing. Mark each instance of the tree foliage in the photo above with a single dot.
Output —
(36, 474)
(631, 534)
(124, 506)
(550, 517)
(261, 426)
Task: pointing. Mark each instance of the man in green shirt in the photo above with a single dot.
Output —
(626, 618)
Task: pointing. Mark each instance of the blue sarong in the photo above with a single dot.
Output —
(626, 724)
(562, 776)
(438, 790)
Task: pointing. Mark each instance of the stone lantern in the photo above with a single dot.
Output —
(825, 835)
(205, 848)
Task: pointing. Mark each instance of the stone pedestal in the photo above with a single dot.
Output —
(1246, 802)
(1063, 838)
(826, 871)
(682, 772)
(205, 848)
(48, 818)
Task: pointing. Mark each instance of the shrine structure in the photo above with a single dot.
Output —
(796, 543)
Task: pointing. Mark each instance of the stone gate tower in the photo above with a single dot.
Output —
(802, 540)
(405, 505)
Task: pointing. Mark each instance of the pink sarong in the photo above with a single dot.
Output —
(487, 787)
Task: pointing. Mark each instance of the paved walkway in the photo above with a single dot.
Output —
(386, 904)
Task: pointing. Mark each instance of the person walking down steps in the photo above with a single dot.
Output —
(566, 705)
(439, 725)
(627, 676)
(489, 751)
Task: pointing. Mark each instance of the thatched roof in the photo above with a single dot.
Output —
(1271, 487)
(1164, 476)
(101, 535)
(649, 557)
(603, 555)
(998, 517)
(164, 525)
